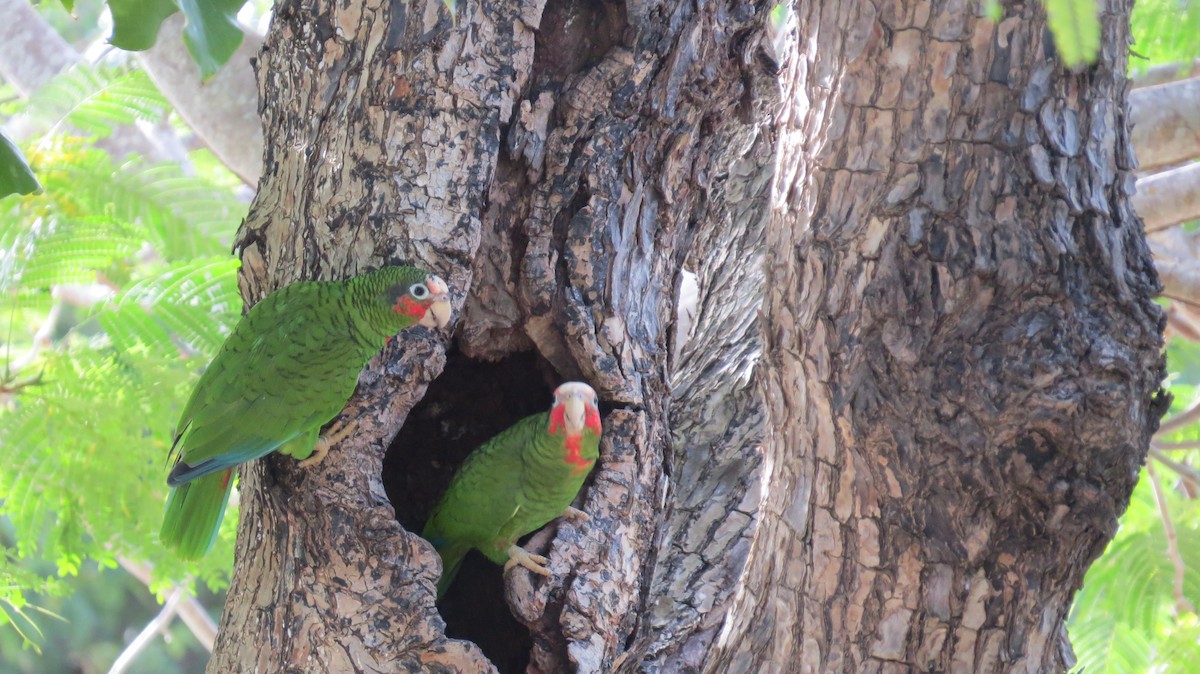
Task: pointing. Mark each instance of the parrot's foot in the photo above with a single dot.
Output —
(325, 442)
(318, 454)
(518, 555)
(575, 514)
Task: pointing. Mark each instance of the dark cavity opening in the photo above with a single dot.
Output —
(468, 404)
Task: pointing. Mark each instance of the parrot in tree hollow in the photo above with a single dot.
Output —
(288, 367)
(515, 483)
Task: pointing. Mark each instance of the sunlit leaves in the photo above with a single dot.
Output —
(1165, 31)
(1076, 28)
(97, 100)
(136, 22)
(211, 33)
(128, 264)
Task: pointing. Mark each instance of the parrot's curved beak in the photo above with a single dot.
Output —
(577, 400)
(575, 414)
(439, 313)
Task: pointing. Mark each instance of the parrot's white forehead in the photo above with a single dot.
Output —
(436, 285)
(576, 389)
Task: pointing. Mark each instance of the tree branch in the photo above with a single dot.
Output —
(31, 51)
(1166, 130)
(1182, 605)
(1185, 472)
(222, 111)
(1177, 446)
(1191, 414)
(1168, 72)
(1180, 280)
(1169, 198)
(1182, 321)
(190, 611)
(158, 624)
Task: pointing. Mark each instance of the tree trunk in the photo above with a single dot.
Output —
(895, 425)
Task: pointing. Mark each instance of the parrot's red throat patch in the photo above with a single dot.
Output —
(574, 455)
(409, 307)
(573, 445)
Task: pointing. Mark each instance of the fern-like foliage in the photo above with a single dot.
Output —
(95, 101)
(1165, 31)
(1124, 618)
(84, 437)
(15, 610)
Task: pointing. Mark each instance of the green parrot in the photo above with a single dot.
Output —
(288, 367)
(515, 483)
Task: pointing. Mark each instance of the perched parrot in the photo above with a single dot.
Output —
(516, 482)
(288, 367)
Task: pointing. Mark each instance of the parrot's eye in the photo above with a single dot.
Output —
(418, 291)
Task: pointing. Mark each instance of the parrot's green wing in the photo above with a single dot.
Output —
(485, 494)
(287, 368)
(284, 370)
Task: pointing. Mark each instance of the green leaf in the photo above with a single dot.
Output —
(97, 100)
(136, 22)
(993, 10)
(212, 33)
(15, 175)
(779, 15)
(1164, 31)
(1076, 28)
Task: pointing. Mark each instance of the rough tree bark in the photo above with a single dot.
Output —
(895, 428)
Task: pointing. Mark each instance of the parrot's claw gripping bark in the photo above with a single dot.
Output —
(318, 454)
(324, 443)
(520, 556)
(575, 514)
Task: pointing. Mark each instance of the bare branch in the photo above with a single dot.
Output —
(190, 610)
(1182, 321)
(1169, 198)
(1191, 414)
(31, 51)
(142, 640)
(1166, 131)
(1168, 72)
(1184, 471)
(222, 111)
(1180, 280)
(1182, 605)
(1177, 446)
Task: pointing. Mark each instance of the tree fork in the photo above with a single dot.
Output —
(907, 462)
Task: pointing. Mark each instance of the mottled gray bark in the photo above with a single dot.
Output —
(961, 347)
(894, 429)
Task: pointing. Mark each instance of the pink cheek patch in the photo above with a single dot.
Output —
(593, 420)
(409, 307)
